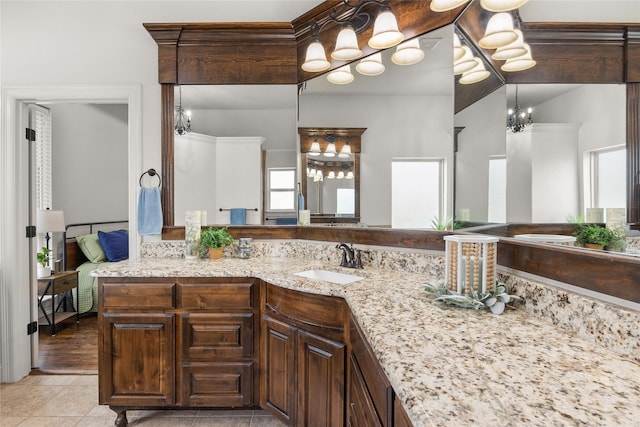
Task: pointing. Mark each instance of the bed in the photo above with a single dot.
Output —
(87, 246)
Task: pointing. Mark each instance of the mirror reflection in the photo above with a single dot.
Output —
(569, 164)
(241, 136)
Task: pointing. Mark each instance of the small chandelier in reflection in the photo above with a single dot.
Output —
(517, 119)
(182, 120)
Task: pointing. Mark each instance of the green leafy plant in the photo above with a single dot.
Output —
(441, 224)
(496, 301)
(595, 235)
(578, 219)
(215, 238)
(43, 256)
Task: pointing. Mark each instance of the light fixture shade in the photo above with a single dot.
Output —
(466, 63)
(341, 76)
(331, 150)
(385, 30)
(331, 175)
(340, 175)
(371, 65)
(458, 51)
(512, 50)
(408, 53)
(349, 175)
(475, 75)
(49, 221)
(499, 32)
(346, 45)
(501, 5)
(345, 151)
(311, 173)
(314, 150)
(520, 63)
(316, 59)
(444, 5)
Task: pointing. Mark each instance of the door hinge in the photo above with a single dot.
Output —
(31, 231)
(32, 328)
(30, 135)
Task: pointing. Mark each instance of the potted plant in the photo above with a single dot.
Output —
(594, 236)
(43, 257)
(213, 241)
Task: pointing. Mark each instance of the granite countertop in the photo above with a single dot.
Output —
(451, 366)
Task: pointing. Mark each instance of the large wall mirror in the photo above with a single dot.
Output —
(408, 114)
(233, 113)
(571, 160)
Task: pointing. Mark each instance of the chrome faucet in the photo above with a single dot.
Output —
(351, 258)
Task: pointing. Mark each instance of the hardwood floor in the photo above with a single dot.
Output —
(73, 350)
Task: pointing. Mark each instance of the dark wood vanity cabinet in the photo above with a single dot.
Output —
(183, 342)
(303, 357)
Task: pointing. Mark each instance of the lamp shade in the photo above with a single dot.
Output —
(385, 30)
(345, 151)
(501, 5)
(476, 74)
(315, 149)
(330, 150)
(520, 63)
(458, 51)
(341, 76)
(49, 221)
(371, 65)
(346, 45)
(315, 59)
(444, 5)
(512, 50)
(499, 32)
(408, 53)
(466, 63)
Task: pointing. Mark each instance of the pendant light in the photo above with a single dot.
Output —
(512, 50)
(371, 65)
(182, 119)
(346, 45)
(315, 60)
(476, 74)
(341, 76)
(444, 5)
(408, 53)
(385, 30)
(499, 32)
(520, 63)
(501, 5)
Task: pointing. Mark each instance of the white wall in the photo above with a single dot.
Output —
(482, 137)
(397, 126)
(89, 150)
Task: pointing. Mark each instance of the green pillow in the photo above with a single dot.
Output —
(91, 247)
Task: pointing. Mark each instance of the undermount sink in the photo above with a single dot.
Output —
(329, 276)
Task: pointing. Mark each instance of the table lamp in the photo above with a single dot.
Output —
(48, 221)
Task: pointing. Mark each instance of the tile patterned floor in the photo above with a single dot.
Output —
(72, 400)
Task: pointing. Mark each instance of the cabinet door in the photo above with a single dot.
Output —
(360, 409)
(137, 360)
(277, 372)
(321, 386)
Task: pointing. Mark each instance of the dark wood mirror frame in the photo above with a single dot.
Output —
(217, 53)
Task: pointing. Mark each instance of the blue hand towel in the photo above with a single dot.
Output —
(149, 211)
(238, 216)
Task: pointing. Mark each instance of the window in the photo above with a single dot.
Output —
(609, 178)
(282, 189)
(346, 201)
(417, 192)
(40, 121)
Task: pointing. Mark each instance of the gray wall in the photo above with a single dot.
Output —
(89, 161)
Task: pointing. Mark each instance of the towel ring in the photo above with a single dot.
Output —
(151, 172)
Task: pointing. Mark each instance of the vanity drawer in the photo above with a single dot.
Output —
(217, 296)
(215, 336)
(139, 295)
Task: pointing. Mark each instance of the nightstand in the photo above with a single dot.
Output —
(54, 285)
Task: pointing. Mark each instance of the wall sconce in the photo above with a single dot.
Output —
(501, 5)
(499, 32)
(520, 63)
(476, 74)
(345, 151)
(354, 21)
(341, 76)
(371, 65)
(408, 53)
